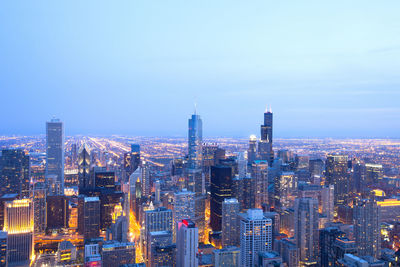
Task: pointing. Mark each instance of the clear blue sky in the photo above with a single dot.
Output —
(328, 68)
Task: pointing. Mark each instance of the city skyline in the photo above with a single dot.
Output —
(327, 70)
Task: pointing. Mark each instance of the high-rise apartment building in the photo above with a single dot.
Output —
(255, 236)
(230, 222)
(367, 227)
(226, 257)
(183, 206)
(259, 171)
(187, 242)
(55, 156)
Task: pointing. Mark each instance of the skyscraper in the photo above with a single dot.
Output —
(14, 172)
(183, 206)
(265, 145)
(337, 175)
(187, 241)
(57, 212)
(260, 174)
(19, 224)
(195, 142)
(306, 230)
(84, 168)
(230, 222)
(38, 195)
(367, 228)
(89, 216)
(226, 257)
(55, 154)
(221, 188)
(255, 236)
(252, 151)
(160, 249)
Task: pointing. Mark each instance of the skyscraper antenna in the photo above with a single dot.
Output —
(270, 108)
(195, 108)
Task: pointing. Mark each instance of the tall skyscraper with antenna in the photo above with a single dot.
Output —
(265, 145)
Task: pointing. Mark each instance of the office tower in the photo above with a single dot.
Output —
(183, 206)
(306, 229)
(187, 241)
(38, 195)
(211, 155)
(115, 253)
(108, 200)
(352, 260)
(3, 249)
(89, 216)
(103, 178)
(66, 253)
(327, 201)
(289, 252)
(3, 200)
(242, 164)
(337, 175)
(284, 186)
(74, 154)
(221, 188)
(55, 155)
(157, 191)
(327, 238)
(18, 223)
(145, 179)
(260, 174)
(119, 229)
(230, 222)
(316, 167)
(252, 151)
(57, 212)
(226, 257)
(195, 142)
(367, 228)
(160, 249)
(15, 172)
(255, 236)
(341, 246)
(84, 177)
(265, 151)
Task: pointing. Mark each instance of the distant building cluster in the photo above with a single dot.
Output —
(92, 201)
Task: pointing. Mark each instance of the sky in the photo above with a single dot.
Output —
(327, 68)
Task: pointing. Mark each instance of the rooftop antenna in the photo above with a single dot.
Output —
(195, 108)
(266, 109)
(270, 109)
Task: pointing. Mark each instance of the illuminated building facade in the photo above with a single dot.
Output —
(14, 172)
(367, 228)
(183, 206)
(38, 194)
(55, 155)
(85, 179)
(336, 173)
(66, 253)
(389, 210)
(306, 229)
(260, 174)
(187, 242)
(3, 249)
(230, 222)
(255, 236)
(284, 186)
(19, 224)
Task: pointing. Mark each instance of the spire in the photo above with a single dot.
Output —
(266, 109)
(195, 108)
(270, 109)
